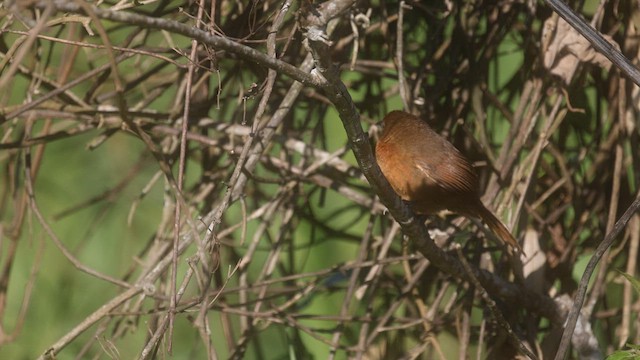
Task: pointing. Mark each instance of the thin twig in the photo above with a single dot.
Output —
(572, 318)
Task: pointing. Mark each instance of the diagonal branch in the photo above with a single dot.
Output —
(336, 91)
(572, 319)
(598, 42)
(191, 32)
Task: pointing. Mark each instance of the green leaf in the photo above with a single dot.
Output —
(635, 282)
(632, 354)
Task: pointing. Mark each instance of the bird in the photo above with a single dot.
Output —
(427, 171)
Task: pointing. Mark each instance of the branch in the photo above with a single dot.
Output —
(599, 43)
(191, 32)
(584, 282)
(337, 92)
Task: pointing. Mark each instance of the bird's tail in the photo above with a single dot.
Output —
(498, 228)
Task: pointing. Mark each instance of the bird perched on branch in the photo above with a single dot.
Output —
(429, 172)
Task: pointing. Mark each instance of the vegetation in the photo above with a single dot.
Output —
(182, 178)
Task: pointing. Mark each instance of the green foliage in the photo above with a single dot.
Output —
(633, 353)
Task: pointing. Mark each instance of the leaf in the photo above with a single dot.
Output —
(565, 48)
(635, 282)
(631, 354)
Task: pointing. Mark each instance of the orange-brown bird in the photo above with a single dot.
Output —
(429, 172)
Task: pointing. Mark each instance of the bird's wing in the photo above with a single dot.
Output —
(451, 174)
